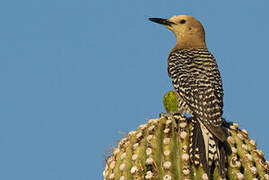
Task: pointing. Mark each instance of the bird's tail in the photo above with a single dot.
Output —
(207, 149)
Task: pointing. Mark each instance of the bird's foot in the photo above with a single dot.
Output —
(169, 114)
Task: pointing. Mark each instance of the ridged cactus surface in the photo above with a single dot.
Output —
(160, 150)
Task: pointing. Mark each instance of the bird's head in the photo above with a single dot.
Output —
(188, 30)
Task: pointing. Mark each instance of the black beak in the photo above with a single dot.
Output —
(161, 21)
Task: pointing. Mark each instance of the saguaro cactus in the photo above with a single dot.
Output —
(160, 150)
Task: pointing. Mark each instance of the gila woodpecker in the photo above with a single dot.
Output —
(198, 86)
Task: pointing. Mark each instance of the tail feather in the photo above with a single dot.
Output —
(217, 132)
(207, 149)
(197, 147)
(222, 160)
(224, 149)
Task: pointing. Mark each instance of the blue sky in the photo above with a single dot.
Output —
(76, 74)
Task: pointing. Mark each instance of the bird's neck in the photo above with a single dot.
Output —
(190, 41)
(189, 45)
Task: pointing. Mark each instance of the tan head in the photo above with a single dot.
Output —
(188, 30)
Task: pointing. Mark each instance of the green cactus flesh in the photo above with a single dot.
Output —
(170, 102)
(160, 150)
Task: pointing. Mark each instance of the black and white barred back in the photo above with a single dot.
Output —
(197, 81)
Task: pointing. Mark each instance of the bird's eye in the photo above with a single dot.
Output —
(183, 21)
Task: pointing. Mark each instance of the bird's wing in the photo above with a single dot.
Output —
(198, 82)
(207, 108)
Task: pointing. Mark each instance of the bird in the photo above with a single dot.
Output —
(199, 91)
